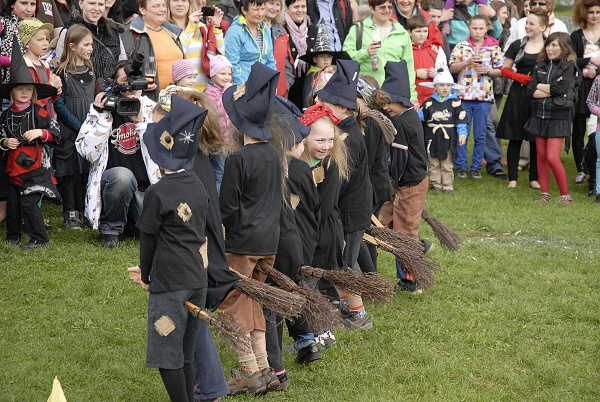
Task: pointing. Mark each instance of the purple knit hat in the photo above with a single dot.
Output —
(182, 68)
(217, 63)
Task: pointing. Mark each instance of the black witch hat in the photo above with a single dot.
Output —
(322, 45)
(20, 75)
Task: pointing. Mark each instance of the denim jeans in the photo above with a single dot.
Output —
(492, 152)
(118, 188)
(209, 380)
(597, 162)
(352, 249)
(218, 164)
(477, 116)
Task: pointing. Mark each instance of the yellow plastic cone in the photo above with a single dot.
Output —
(57, 394)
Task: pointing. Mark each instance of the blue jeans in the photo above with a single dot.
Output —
(209, 380)
(493, 152)
(598, 162)
(353, 241)
(218, 164)
(477, 116)
(119, 188)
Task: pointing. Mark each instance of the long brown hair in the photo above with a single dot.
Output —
(581, 11)
(564, 42)
(75, 34)
(210, 139)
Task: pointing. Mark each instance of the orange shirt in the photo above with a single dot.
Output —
(166, 52)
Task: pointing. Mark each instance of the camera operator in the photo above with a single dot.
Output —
(121, 168)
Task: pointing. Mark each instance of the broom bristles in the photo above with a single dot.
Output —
(319, 312)
(418, 264)
(449, 239)
(231, 332)
(396, 239)
(286, 304)
(377, 288)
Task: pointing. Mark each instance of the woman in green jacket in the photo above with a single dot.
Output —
(379, 39)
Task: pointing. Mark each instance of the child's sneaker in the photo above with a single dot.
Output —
(355, 322)
(325, 340)
(461, 174)
(242, 382)
(407, 286)
(475, 174)
(545, 198)
(308, 354)
(283, 380)
(580, 178)
(565, 199)
(271, 379)
(71, 220)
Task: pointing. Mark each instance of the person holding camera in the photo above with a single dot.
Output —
(121, 168)
(151, 35)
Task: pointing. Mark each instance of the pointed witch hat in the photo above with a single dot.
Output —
(341, 88)
(20, 75)
(322, 45)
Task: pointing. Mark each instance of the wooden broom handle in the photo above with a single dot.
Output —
(376, 221)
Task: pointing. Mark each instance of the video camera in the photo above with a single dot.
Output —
(135, 82)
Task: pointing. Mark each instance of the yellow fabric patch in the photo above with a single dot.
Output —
(428, 104)
(294, 200)
(184, 212)
(166, 140)
(318, 175)
(164, 325)
(462, 115)
(204, 252)
(456, 103)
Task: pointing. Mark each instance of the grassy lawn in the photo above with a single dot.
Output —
(514, 314)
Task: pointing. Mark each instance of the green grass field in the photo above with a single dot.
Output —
(514, 314)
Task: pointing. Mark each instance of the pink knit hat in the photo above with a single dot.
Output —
(217, 63)
(182, 68)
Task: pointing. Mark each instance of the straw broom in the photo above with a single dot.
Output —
(371, 285)
(285, 304)
(225, 327)
(319, 312)
(394, 238)
(419, 265)
(448, 238)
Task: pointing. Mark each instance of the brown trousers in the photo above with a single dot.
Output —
(245, 312)
(441, 172)
(404, 214)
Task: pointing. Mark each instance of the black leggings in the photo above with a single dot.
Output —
(512, 160)
(579, 129)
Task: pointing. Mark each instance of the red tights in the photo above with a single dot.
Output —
(548, 157)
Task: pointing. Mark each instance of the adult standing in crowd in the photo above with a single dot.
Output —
(201, 38)
(464, 10)
(379, 39)
(337, 16)
(65, 7)
(108, 49)
(554, 24)
(114, 11)
(147, 34)
(522, 55)
(299, 28)
(248, 40)
(586, 45)
(404, 9)
(12, 14)
(281, 46)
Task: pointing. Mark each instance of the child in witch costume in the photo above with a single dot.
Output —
(356, 194)
(408, 166)
(26, 131)
(250, 200)
(446, 125)
(288, 134)
(173, 249)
